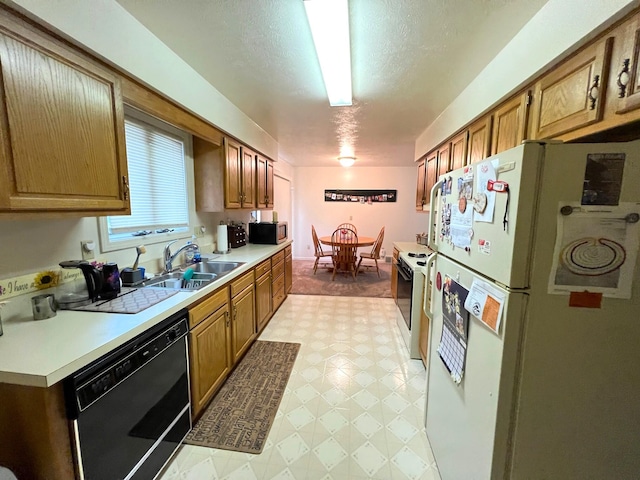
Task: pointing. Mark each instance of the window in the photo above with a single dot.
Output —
(156, 157)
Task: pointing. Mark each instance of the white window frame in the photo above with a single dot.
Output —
(110, 245)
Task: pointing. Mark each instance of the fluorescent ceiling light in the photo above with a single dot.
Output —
(329, 22)
(347, 161)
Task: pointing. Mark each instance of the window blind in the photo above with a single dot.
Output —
(157, 181)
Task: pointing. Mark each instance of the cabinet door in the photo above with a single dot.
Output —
(261, 182)
(394, 275)
(430, 181)
(459, 151)
(423, 340)
(248, 178)
(232, 174)
(444, 159)
(263, 300)
(479, 140)
(208, 176)
(422, 174)
(288, 273)
(628, 73)
(210, 357)
(509, 124)
(572, 95)
(61, 129)
(242, 322)
(270, 194)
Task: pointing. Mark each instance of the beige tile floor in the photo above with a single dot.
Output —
(353, 407)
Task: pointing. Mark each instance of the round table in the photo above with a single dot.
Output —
(351, 247)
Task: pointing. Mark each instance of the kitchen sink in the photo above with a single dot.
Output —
(203, 274)
(218, 267)
(175, 281)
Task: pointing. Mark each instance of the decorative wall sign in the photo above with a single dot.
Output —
(360, 196)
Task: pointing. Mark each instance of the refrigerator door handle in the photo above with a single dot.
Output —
(430, 259)
(431, 240)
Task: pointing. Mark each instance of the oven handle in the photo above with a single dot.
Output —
(431, 240)
(430, 259)
(404, 275)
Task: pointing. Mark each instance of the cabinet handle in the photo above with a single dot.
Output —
(125, 187)
(594, 91)
(623, 78)
(235, 312)
(226, 314)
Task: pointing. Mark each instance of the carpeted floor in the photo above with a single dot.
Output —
(367, 283)
(241, 414)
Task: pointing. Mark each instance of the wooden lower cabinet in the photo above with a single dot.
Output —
(288, 270)
(263, 299)
(277, 281)
(394, 275)
(210, 357)
(243, 325)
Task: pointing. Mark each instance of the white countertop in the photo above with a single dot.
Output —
(43, 352)
(407, 247)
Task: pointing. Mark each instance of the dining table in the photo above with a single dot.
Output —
(351, 245)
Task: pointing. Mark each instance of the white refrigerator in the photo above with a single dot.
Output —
(534, 353)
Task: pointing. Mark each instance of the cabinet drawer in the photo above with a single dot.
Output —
(241, 283)
(262, 268)
(278, 257)
(278, 284)
(277, 270)
(278, 297)
(287, 250)
(201, 311)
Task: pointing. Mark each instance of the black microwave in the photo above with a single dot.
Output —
(270, 233)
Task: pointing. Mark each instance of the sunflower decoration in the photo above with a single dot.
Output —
(46, 279)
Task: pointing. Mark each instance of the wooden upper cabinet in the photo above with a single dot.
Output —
(510, 123)
(459, 151)
(420, 190)
(264, 182)
(61, 128)
(626, 73)
(444, 160)
(479, 140)
(572, 95)
(431, 177)
(248, 178)
(208, 176)
(232, 174)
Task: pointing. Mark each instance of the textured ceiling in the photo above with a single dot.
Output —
(410, 59)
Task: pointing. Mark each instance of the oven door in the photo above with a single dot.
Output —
(405, 288)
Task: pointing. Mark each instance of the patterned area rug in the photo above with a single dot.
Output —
(367, 283)
(241, 414)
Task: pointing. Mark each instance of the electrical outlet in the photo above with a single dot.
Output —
(350, 217)
(308, 247)
(88, 248)
(199, 230)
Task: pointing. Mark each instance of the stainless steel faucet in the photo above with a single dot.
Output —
(168, 257)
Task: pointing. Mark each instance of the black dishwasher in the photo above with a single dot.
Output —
(130, 409)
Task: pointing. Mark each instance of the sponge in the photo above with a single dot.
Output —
(188, 273)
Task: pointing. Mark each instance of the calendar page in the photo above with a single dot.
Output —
(455, 325)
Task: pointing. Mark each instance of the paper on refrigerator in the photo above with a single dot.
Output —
(486, 303)
(487, 198)
(595, 250)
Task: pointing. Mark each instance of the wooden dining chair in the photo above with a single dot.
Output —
(344, 243)
(320, 253)
(374, 254)
(350, 226)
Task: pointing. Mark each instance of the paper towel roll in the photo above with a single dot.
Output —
(223, 244)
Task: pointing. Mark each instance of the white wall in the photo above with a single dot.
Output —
(399, 218)
(556, 28)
